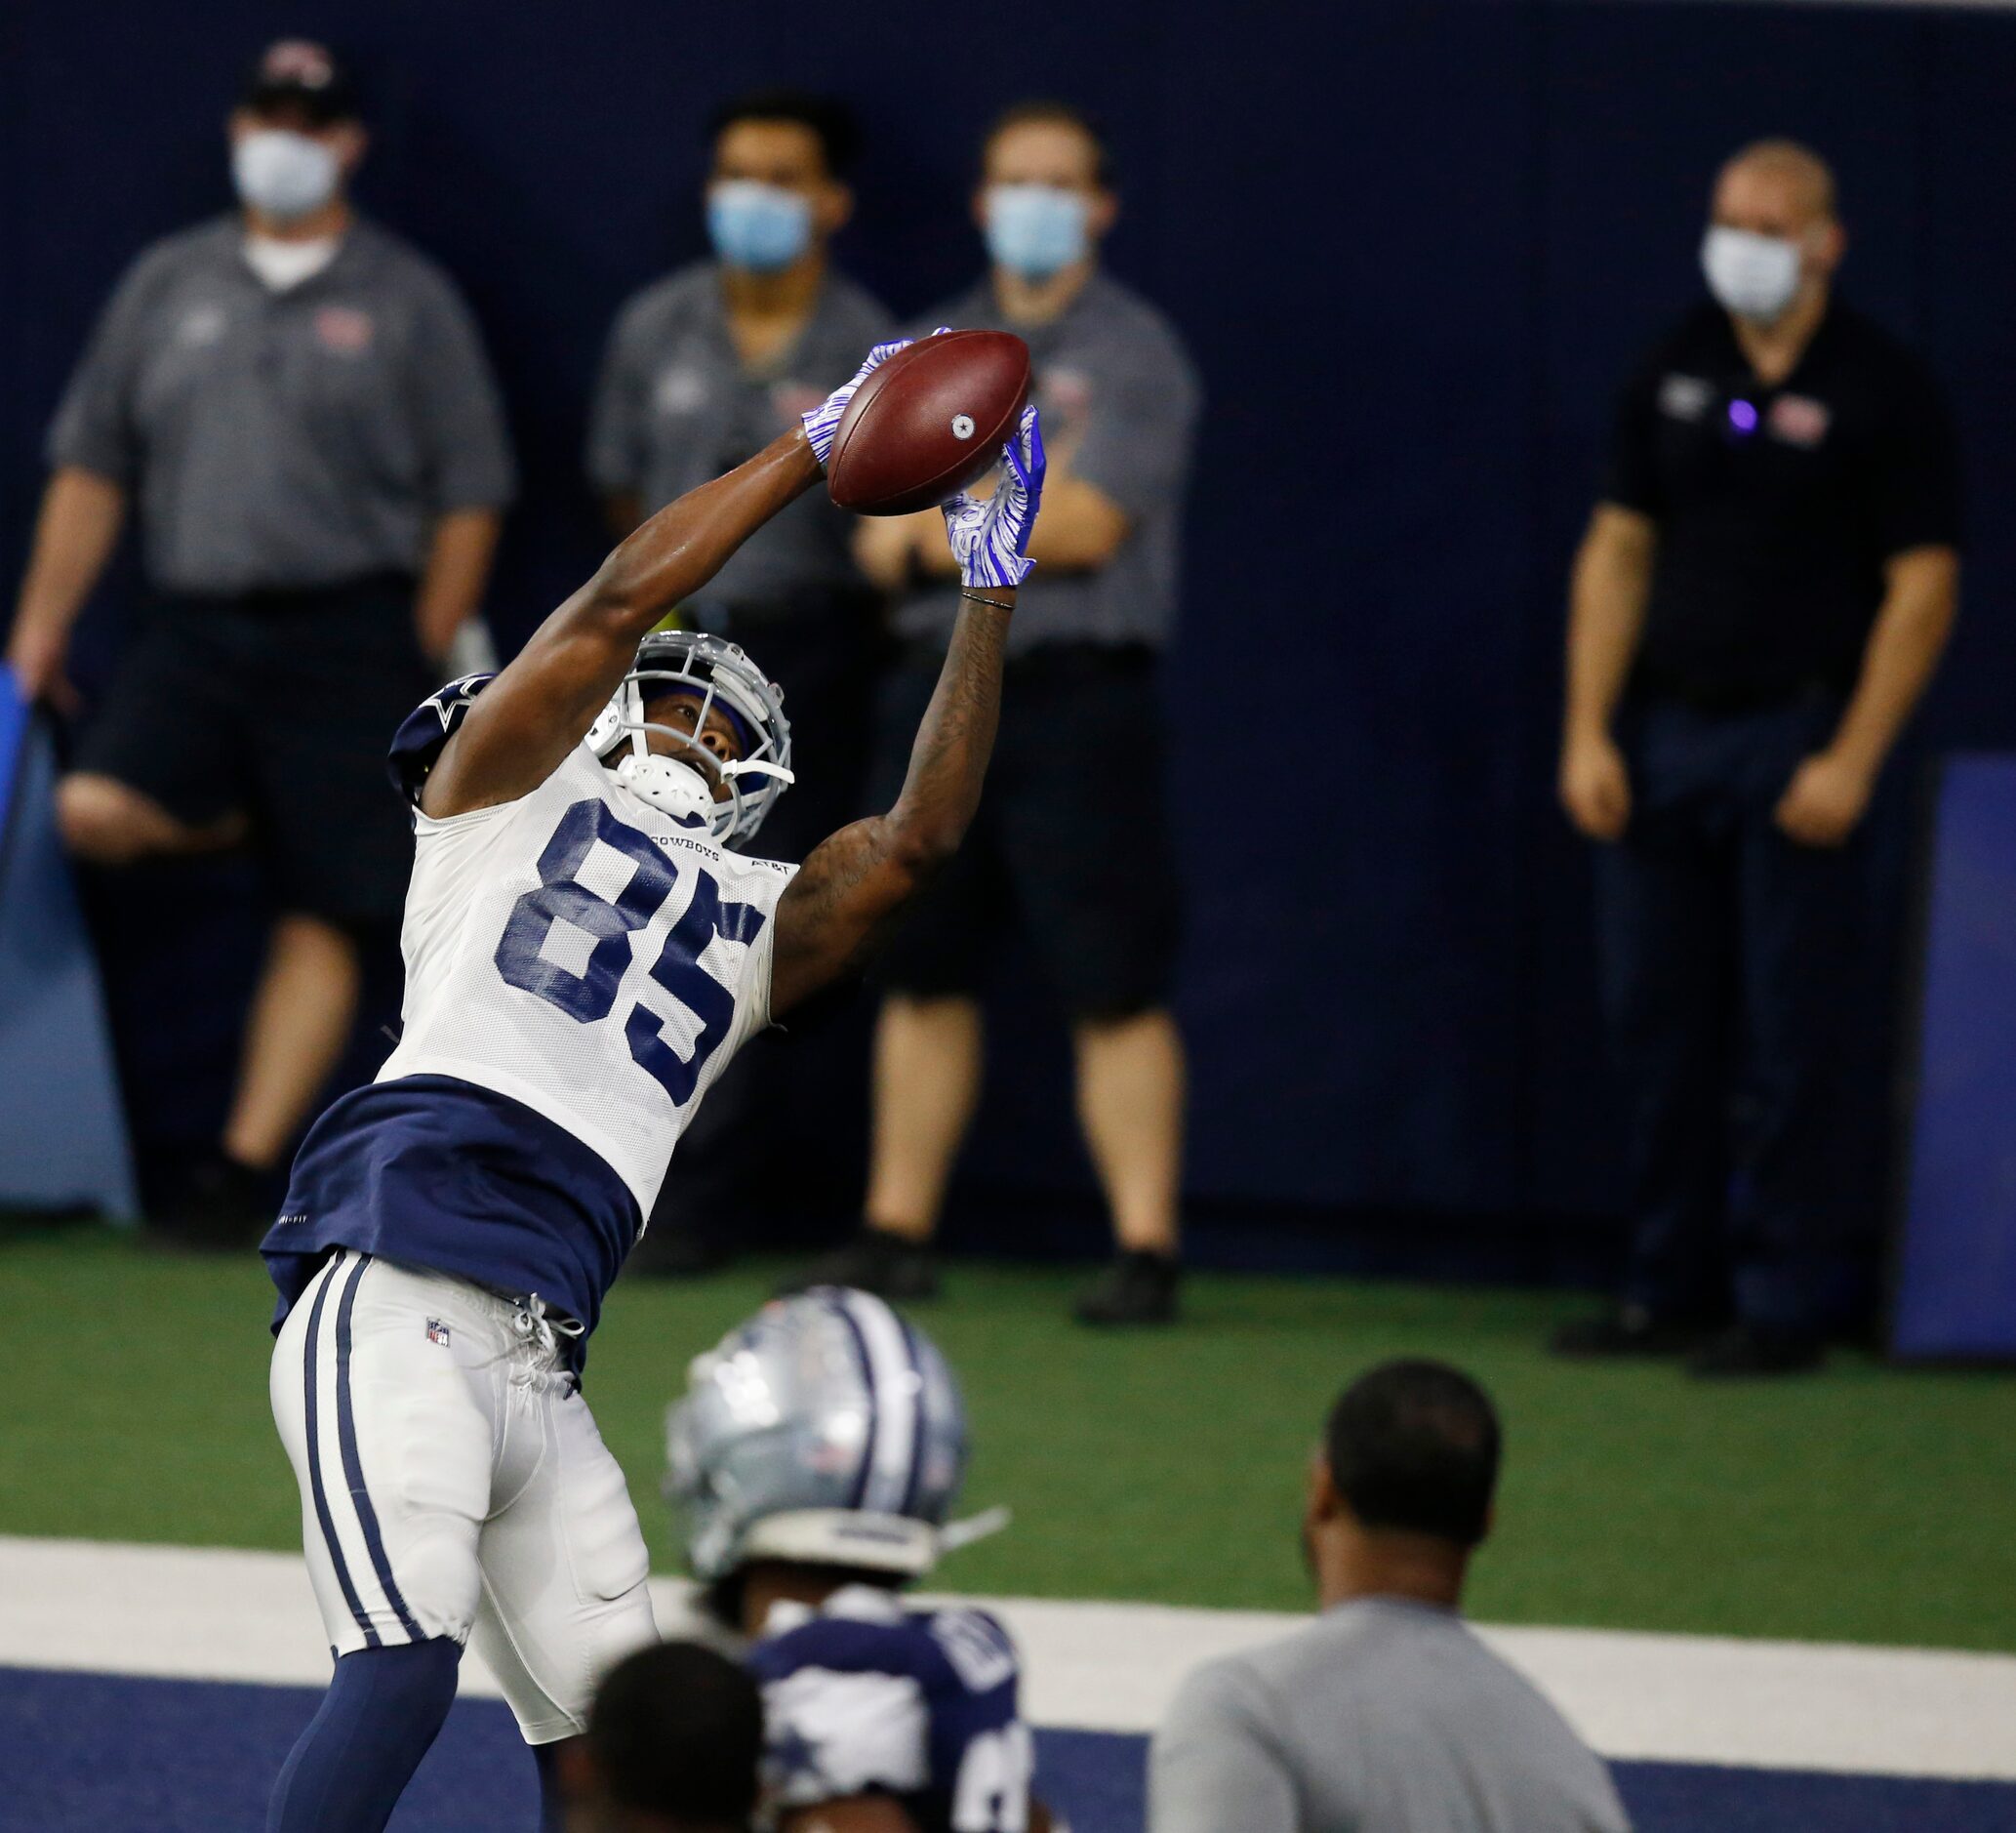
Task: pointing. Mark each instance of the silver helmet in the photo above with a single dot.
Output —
(826, 1430)
(724, 677)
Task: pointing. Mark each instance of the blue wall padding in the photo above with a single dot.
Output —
(63, 1137)
(1415, 249)
(1955, 1292)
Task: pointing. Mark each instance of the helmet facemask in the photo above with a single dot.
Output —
(681, 782)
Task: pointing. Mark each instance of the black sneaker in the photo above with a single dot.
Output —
(1628, 1330)
(875, 1261)
(1138, 1287)
(1747, 1351)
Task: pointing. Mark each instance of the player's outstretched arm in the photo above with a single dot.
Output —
(854, 885)
(516, 732)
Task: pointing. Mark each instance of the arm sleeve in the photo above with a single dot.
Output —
(615, 455)
(1143, 428)
(1214, 1764)
(94, 427)
(1630, 472)
(460, 413)
(1915, 495)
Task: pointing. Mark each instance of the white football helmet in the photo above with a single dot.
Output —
(825, 1430)
(725, 679)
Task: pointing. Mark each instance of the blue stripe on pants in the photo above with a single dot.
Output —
(321, 1496)
(354, 1467)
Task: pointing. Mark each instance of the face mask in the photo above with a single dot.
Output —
(1035, 230)
(284, 174)
(1754, 276)
(758, 226)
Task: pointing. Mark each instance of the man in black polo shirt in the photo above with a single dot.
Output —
(1762, 599)
(297, 407)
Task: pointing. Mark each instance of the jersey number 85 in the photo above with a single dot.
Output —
(588, 995)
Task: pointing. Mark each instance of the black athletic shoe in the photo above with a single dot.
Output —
(1745, 1352)
(1628, 1330)
(874, 1261)
(1138, 1287)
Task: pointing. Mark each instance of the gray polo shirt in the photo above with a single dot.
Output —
(1383, 1715)
(280, 441)
(677, 406)
(1119, 400)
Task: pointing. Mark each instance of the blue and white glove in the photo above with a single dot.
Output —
(990, 539)
(824, 419)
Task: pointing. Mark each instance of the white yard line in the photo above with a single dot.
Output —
(206, 1613)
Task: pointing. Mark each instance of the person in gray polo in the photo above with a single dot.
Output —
(703, 369)
(1071, 844)
(1387, 1714)
(298, 406)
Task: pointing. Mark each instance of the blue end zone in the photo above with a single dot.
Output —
(108, 1754)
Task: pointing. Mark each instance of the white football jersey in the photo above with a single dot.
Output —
(587, 956)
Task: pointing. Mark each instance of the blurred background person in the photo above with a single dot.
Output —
(299, 404)
(674, 1744)
(703, 370)
(1071, 842)
(1762, 599)
(1388, 1714)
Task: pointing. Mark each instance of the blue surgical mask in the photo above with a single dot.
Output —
(1754, 276)
(759, 226)
(284, 174)
(1035, 230)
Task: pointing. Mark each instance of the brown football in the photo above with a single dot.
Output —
(928, 422)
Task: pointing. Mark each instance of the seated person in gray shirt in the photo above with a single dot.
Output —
(1387, 1714)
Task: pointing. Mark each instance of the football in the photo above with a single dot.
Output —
(928, 422)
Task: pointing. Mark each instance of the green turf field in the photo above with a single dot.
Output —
(1864, 1504)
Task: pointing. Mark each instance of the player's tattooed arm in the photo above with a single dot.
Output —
(851, 891)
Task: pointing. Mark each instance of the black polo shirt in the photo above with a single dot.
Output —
(1777, 508)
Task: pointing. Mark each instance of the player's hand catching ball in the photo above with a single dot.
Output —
(990, 539)
(825, 419)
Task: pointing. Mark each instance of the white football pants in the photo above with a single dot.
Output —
(452, 1479)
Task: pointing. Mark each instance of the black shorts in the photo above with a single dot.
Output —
(1071, 841)
(281, 705)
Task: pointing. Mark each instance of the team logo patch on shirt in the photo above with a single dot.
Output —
(1684, 397)
(437, 1333)
(1799, 420)
(680, 391)
(344, 329)
(201, 325)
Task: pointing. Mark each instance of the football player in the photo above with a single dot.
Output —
(583, 958)
(814, 1459)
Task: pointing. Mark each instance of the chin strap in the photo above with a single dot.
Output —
(676, 787)
(756, 767)
(955, 1534)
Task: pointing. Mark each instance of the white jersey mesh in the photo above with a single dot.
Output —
(581, 953)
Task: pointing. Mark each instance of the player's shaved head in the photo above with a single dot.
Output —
(1805, 180)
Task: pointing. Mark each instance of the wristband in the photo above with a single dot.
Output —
(981, 598)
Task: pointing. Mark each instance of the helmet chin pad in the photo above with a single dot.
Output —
(675, 788)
